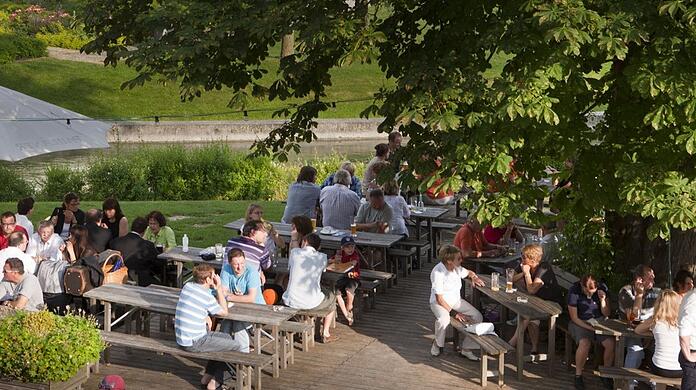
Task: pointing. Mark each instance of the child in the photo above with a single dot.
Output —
(349, 282)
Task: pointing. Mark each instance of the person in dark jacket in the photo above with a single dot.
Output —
(67, 215)
(99, 236)
(139, 254)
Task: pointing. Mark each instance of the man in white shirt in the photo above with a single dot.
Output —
(24, 209)
(687, 340)
(17, 245)
(306, 265)
(45, 244)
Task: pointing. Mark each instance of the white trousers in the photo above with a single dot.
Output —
(442, 321)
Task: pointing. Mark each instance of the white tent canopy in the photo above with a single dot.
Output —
(29, 127)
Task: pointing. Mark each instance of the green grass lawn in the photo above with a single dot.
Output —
(94, 90)
(202, 221)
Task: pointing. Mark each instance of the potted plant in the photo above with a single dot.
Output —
(41, 350)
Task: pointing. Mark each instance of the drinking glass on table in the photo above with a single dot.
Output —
(218, 251)
(509, 274)
(495, 284)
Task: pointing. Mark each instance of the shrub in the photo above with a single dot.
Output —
(61, 180)
(67, 38)
(34, 18)
(41, 346)
(123, 177)
(251, 178)
(14, 186)
(14, 47)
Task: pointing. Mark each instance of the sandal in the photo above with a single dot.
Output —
(350, 319)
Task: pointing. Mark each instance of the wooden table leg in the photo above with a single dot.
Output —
(431, 237)
(107, 326)
(418, 228)
(257, 338)
(520, 349)
(276, 351)
(619, 352)
(484, 369)
(552, 345)
(179, 274)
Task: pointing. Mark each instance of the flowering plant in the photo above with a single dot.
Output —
(34, 18)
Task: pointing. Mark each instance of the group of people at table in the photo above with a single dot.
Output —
(33, 261)
(669, 315)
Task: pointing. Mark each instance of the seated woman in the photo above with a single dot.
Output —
(67, 215)
(445, 297)
(77, 247)
(158, 232)
(240, 284)
(683, 282)
(355, 182)
(303, 195)
(503, 235)
(664, 327)
(255, 212)
(588, 300)
(536, 278)
(400, 210)
(114, 219)
(306, 265)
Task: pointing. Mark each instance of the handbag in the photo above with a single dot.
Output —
(113, 267)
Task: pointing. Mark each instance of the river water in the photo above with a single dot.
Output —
(33, 168)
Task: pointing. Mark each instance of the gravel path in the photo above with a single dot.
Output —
(75, 55)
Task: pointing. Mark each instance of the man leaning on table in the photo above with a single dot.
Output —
(687, 340)
(192, 323)
(638, 297)
(471, 242)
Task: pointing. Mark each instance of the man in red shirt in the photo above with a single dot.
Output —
(470, 240)
(9, 226)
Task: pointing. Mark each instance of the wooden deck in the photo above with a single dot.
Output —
(388, 348)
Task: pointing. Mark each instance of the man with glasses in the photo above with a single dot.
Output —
(20, 289)
(9, 226)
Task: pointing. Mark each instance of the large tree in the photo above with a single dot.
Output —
(563, 59)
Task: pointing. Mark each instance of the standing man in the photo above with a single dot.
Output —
(394, 141)
(687, 340)
(9, 226)
(192, 323)
(251, 242)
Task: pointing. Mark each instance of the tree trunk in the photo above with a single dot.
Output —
(632, 247)
(287, 45)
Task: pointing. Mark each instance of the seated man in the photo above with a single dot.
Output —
(9, 226)
(139, 254)
(470, 240)
(25, 207)
(306, 265)
(536, 278)
(18, 244)
(251, 242)
(638, 299)
(45, 244)
(375, 215)
(99, 234)
(240, 284)
(192, 322)
(20, 289)
(338, 203)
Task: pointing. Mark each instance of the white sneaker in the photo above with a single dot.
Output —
(469, 355)
(435, 350)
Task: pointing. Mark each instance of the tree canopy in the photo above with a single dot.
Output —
(634, 60)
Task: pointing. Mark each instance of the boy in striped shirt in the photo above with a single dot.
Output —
(192, 322)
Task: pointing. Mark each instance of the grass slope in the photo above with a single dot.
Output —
(94, 90)
(202, 220)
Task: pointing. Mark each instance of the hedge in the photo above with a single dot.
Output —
(15, 47)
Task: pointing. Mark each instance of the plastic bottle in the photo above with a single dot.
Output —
(184, 243)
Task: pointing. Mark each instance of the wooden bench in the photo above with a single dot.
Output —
(401, 257)
(384, 277)
(439, 227)
(368, 289)
(422, 246)
(309, 316)
(624, 375)
(566, 280)
(288, 330)
(491, 347)
(244, 364)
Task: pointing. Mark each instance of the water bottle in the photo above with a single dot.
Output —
(184, 243)
(420, 201)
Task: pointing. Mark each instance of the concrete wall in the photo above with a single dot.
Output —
(233, 131)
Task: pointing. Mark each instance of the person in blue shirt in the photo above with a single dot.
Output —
(240, 284)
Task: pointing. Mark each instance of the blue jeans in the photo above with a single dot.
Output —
(215, 342)
(238, 331)
(634, 353)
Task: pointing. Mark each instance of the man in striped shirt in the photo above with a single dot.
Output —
(192, 322)
(251, 242)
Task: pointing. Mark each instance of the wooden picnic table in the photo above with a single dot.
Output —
(177, 256)
(534, 309)
(364, 239)
(427, 214)
(500, 261)
(163, 300)
(620, 330)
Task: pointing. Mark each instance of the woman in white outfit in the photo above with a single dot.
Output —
(664, 327)
(446, 279)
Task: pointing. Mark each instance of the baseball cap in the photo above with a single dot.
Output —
(112, 382)
(347, 240)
